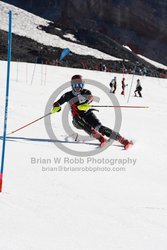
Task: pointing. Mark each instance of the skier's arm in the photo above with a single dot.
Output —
(56, 109)
(64, 98)
(89, 96)
(57, 104)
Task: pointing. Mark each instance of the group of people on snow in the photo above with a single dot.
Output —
(113, 87)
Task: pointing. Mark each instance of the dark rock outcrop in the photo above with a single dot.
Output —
(140, 24)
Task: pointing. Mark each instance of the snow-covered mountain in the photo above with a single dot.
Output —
(29, 36)
(113, 200)
(27, 24)
(140, 24)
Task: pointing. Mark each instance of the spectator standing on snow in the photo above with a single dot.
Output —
(138, 88)
(113, 85)
(123, 86)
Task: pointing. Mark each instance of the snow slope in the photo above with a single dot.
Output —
(156, 64)
(27, 24)
(93, 210)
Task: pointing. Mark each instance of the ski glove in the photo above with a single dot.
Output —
(55, 109)
(84, 106)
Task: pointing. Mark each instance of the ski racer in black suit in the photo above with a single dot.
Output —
(86, 119)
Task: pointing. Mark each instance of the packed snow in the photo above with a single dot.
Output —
(156, 64)
(47, 205)
(127, 47)
(70, 36)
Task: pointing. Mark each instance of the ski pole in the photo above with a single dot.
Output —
(109, 106)
(134, 72)
(86, 106)
(29, 124)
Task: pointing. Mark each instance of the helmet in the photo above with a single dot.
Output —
(138, 80)
(76, 82)
(115, 78)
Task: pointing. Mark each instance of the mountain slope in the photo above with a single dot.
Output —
(47, 40)
(122, 208)
(140, 24)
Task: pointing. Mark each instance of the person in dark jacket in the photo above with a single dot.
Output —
(138, 88)
(113, 85)
(123, 86)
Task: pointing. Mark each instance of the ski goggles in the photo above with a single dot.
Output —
(77, 85)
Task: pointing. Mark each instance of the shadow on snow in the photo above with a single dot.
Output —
(16, 138)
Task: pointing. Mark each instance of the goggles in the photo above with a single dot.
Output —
(77, 85)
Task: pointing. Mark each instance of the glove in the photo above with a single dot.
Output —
(83, 107)
(55, 109)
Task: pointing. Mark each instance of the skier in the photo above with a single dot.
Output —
(85, 119)
(138, 88)
(113, 85)
(123, 86)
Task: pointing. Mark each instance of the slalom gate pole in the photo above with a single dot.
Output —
(7, 97)
(45, 72)
(134, 71)
(36, 60)
(109, 106)
(17, 72)
(28, 124)
(26, 73)
(42, 72)
(123, 70)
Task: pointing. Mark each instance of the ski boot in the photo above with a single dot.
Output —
(127, 144)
